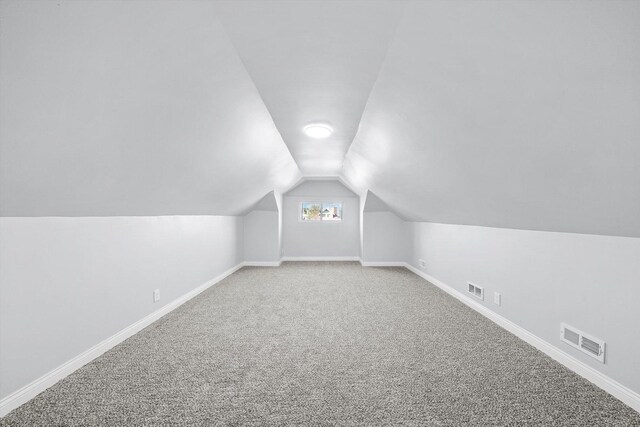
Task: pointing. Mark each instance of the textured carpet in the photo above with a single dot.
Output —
(323, 344)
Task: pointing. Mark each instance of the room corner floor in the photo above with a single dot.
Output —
(323, 344)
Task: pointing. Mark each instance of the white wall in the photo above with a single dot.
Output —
(386, 238)
(361, 206)
(262, 236)
(321, 239)
(590, 282)
(280, 202)
(68, 283)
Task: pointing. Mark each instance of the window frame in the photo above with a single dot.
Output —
(321, 221)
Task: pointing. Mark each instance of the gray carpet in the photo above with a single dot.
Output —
(323, 344)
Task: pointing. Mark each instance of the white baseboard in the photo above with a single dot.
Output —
(611, 386)
(383, 263)
(36, 387)
(262, 263)
(26, 393)
(321, 258)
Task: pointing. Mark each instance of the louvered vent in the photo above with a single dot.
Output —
(571, 336)
(591, 346)
(594, 347)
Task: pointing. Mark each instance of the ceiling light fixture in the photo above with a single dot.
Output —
(318, 130)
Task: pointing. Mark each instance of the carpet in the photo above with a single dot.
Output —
(323, 343)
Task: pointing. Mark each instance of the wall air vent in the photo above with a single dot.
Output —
(475, 290)
(594, 347)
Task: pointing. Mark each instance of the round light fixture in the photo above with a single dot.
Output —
(318, 130)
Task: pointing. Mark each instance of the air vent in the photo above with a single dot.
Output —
(591, 346)
(475, 290)
(572, 337)
(594, 347)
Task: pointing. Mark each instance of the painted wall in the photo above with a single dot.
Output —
(361, 206)
(66, 284)
(386, 238)
(261, 236)
(590, 282)
(321, 239)
(280, 203)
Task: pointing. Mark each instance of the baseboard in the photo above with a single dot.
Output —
(262, 263)
(26, 393)
(36, 387)
(383, 263)
(611, 386)
(321, 258)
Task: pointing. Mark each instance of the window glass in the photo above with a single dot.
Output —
(321, 211)
(311, 211)
(332, 211)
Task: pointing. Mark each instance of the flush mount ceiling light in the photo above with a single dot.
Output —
(318, 130)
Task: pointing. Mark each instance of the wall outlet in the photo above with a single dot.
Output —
(422, 263)
(475, 290)
(497, 298)
(156, 295)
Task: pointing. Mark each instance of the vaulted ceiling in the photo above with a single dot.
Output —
(313, 61)
(495, 113)
(130, 108)
(508, 114)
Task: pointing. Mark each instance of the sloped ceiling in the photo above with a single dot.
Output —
(494, 113)
(508, 114)
(267, 203)
(130, 108)
(374, 203)
(321, 188)
(313, 61)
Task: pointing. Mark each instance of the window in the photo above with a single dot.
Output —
(325, 211)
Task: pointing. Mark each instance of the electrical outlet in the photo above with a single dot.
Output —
(475, 290)
(422, 263)
(156, 295)
(497, 298)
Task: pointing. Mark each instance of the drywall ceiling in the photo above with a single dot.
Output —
(505, 114)
(508, 114)
(313, 61)
(325, 188)
(267, 203)
(373, 203)
(130, 108)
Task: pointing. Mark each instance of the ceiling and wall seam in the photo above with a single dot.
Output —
(110, 110)
(373, 86)
(313, 63)
(183, 108)
(530, 132)
(244, 65)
